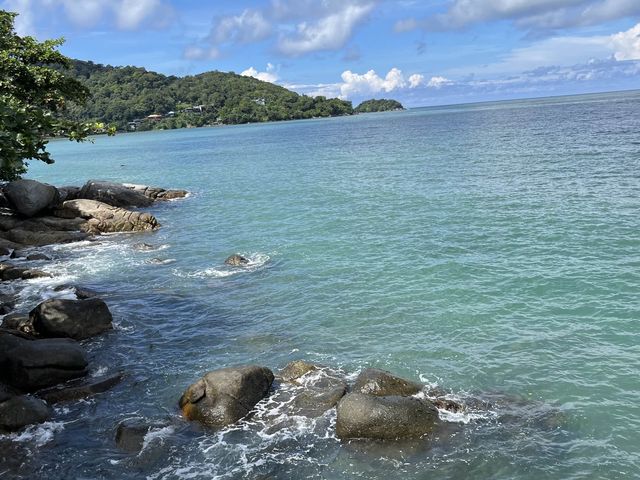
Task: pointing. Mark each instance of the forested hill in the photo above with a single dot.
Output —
(127, 96)
(383, 105)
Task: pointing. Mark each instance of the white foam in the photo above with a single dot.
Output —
(37, 434)
(256, 261)
(156, 435)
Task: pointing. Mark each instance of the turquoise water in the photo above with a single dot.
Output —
(491, 249)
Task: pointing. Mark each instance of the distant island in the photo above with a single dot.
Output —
(135, 99)
(383, 105)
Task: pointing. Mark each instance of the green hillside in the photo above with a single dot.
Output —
(383, 105)
(122, 95)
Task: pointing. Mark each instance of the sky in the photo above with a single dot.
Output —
(430, 52)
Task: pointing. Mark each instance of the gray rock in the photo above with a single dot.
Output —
(80, 292)
(41, 238)
(11, 272)
(131, 433)
(372, 381)
(30, 197)
(19, 322)
(156, 193)
(31, 365)
(19, 411)
(103, 218)
(77, 319)
(80, 388)
(296, 369)
(37, 256)
(4, 251)
(320, 396)
(69, 193)
(384, 418)
(236, 260)
(114, 194)
(7, 302)
(223, 397)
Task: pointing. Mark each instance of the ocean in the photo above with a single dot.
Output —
(492, 250)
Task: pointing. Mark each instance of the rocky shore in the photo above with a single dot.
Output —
(42, 361)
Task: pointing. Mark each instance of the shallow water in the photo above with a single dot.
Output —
(491, 250)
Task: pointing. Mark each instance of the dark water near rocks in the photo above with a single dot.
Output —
(491, 249)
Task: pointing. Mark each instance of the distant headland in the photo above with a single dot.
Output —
(135, 99)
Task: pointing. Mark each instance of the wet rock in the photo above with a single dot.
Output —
(103, 218)
(384, 417)
(156, 193)
(319, 396)
(19, 322)
(31, 365)
(236, 260)
(296, 369)
(4, 251)
(80, 388)
(223, 397)
(29, 197)
(80, 292)
(11, 272)
(37, 256)
(372, 381)
(19, 411)
(7, 303)
(77, 319)
(448, 404)
(114, 194)
(160, 261)
(131, 433)
(29, 256)
(41, 238)
(69, 193)
(144, 247)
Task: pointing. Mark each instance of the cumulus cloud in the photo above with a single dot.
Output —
(328, 33)
(531, 14)
(438, 82)
(249, 26)
(626, 45)
(267, 76)
(416, 80)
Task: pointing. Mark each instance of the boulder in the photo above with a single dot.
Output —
(223, 397)
(41, 238)
(77, 319)
(19, 253)
(319, 396)
(155, 193)
(29, 197)
(11, 272)
(296, 369)
(19, 411)
(372, 381)
(103, 218)
(4, 251)
(236, 260)
(80, 292)
(384, 418)
(19, 322)
(131, 433)
(69, 193)
(114, 194)
(31, 365)
(7, 302)
(80, 388)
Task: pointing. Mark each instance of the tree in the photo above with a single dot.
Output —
(34, 92)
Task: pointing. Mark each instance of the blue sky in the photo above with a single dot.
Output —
(419, 52)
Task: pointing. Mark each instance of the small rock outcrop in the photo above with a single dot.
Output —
(223, 397)
(77, 319)
(103, 218)
(11, 272)
(384, 418)
(18, 411)
(155, 193)
(236, 260)
(372, 381)
(296, 369)
(114, 194)
(31, 365)
(30, 197)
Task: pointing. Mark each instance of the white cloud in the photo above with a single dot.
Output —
(438, 82)
(131, 13)
(328, 33)
(194, 52)
(626, 45)
(530, 14)
(267, 76)
(24, 22)
(249, 26)
(416, 80)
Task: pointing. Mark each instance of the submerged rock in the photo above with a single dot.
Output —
(30, 197)
(156, 193)
(19, 411)
(31, 365)
(372, 381)
(114, 194)
(131, 433)
(223, 397)
(77, 319)
(319, 395)
(80, 388)
(236, 260)
(103, 218)
(296, 369)
(384, 417)
(80, 292)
